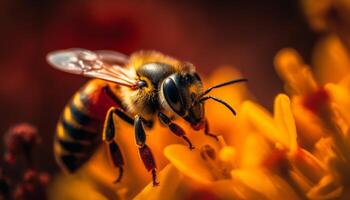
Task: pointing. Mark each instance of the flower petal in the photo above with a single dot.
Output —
(316, 13)
(254, 152)
(327, 188)
(331, 60)
(263, 122)
(308, 124)
(234, 189)
(169, 179)
(296, 75)
(285, 121)
(76, 187)
(270, 185)
(188, 162)
(341, 97)
(308, 166)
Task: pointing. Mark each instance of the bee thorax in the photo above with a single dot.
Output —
(140, 102)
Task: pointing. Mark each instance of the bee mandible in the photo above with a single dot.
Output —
(136, 89)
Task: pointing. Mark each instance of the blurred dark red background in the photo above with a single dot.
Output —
(244, 34)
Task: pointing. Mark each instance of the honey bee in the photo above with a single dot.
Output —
(136, 89)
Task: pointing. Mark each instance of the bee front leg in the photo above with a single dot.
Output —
(207, 131)
(144, 151)
(176, 129)
(108, 136)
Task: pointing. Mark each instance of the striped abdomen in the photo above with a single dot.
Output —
(79, 128)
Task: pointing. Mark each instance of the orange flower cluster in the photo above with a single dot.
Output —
(300, 151)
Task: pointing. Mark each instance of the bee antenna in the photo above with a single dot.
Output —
(224, 84)
(220, 101)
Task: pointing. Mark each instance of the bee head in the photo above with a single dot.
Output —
(180, 93)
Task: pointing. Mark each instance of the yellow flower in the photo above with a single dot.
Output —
(201, 173)
(297, 166)
(203, 170)
(99, 172)
(327, 104)
(243, 173)
(301, 151)
(305, 92)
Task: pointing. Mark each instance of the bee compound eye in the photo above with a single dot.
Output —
(172, 96)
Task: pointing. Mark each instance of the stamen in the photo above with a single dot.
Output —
(208, 152)
(218, 168)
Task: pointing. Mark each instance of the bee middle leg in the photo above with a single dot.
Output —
(176, 129)
(108, 136)
(144, 151)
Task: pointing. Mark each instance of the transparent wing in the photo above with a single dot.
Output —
(112, 57)
(102, 64)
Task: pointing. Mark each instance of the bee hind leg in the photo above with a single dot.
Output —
(176, 129)
(144, 151)
(108, 137)
(117, 159)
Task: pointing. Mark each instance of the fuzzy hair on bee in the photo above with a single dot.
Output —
(135, 89)
(151, 67)
(144, 100)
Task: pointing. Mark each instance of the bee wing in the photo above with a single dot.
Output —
(102, 64)
(112, 57)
